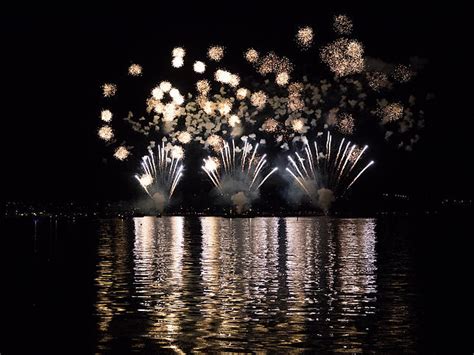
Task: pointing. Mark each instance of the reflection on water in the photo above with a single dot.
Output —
(216, 284)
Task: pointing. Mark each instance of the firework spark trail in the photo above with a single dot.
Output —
(358, 175)
(235, 166)
(161, 175)
(332, 175)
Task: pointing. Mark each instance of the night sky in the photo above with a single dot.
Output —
(53, 67)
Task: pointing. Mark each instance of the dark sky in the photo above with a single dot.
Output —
(53, 67)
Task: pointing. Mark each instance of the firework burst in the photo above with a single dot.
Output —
(326, 172)
(199, 67)
(237, 173)
(109, 90)
(135, 70)
(305, 37)
(215, 53)
(160, 174)
(344, 56)
(106, 115)
(342, 24)
(251, 55)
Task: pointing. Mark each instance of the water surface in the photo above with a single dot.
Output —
(182, 284)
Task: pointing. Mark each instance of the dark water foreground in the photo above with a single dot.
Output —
(179, 284)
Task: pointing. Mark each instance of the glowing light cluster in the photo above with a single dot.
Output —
(344, 56)
(305, 37)
(215, 53)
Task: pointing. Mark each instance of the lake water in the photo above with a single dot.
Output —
(181, 284)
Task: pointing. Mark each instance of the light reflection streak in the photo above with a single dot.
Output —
(217, 284)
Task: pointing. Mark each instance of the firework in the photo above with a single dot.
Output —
(234, 120)
(295, 103)
(342, 25)
(272, 63)
(345, 123)
(161, 173)
(215, 53)
(234, 80)
(177, 62)
(135, 70)
(215, 142)
(241, 93)
(237, 173)
(184, 137)
(326, 171)
(170, 112)
(157, 93)
(203, 87)
(109, 90)
(258, 99)
(378, 80)
(297, 125)
(178, 52)
(199, 67)
(391, 112)
(106, 133)
(224, 107)
(165, 86)
(251, 55)
(223, 76)
(304, 37)
(282, 78)
(270, 125)
(344, 56)
(121, 153)
(106, 115)
(403, 73)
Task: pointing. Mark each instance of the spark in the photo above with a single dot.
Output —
(222, 76)
(345, 123)
(135, 70)
(177, 62)
(157, 93)
(177, 152)
(161, 173)
(270, 125)
(241, 93)
(169, 112)
(178, 52)
(344, 56)
(282, 78)
(391, 112)
(109, 89)
(342, 25)
(203, 87)
(106, 115)
(251, 55)
(239, 169)
(121, 153)
(305, 37)
(297, 125)
(145, 180)
(199, 67)
(106, 133)
(258, 99)
(322, 175)
(215, 53)
(377, 80)
(184, 137)
(215, 142)
(234, 120)
(403, 73)
(224, 107)
(165, 86)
